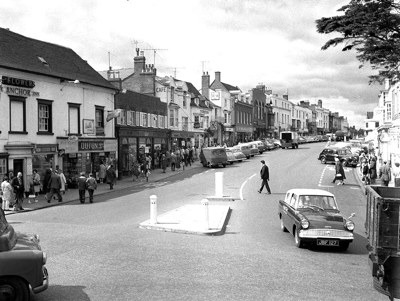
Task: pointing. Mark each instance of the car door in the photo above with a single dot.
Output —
(330, 156)
(291, 213)
(285, 209)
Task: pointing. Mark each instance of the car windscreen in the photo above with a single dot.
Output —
(322, 201)
(218, 152)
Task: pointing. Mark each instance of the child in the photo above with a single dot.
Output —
(91, 185)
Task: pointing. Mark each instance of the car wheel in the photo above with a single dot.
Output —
(283, 228)
(297, 240)
(13, 288)
(224, 165)
(323, 160)
(344, 245)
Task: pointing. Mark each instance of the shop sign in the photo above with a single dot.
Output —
(90, 145)
(17, 82)
(228, 129)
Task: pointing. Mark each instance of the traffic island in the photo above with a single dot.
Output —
(201, 219)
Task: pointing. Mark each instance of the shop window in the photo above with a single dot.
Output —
(130, 117)
(99, 117)
(143, 120)
(45, 117)
(73, 119)
(3, 166)
(121, 119)
(137, 118)
(17, 115)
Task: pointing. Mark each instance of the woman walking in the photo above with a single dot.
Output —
(340, 176)
(7, 192)
(36, 184)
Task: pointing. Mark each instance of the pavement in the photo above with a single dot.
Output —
(190, 219)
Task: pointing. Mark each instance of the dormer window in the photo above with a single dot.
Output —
(207, 103)
(196, 101)
(43, 61)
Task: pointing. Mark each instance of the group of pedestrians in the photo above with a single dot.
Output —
(12, 192)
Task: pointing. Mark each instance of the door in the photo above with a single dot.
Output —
(18, 166)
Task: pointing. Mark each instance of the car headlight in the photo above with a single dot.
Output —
(350, 225)
(305, 224)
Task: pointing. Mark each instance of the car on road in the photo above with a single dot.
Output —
(269, 144)
(312, 216)
(231, 157)
(302, 140)
(22, 263)
(213, 156)
(329, 154)
(237, 153)
(253, 149)
(244, 148)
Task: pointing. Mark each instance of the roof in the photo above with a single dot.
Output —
(123, 72)
(307, 191)
(29, 55)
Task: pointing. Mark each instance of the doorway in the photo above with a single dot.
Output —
(18, 166)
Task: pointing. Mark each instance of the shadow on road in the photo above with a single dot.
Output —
(62, 292)
(357, 247)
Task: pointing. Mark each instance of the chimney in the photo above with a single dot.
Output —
(139, 62)
(218, 76)
(285, 96)
(205, 85)
(320, 103)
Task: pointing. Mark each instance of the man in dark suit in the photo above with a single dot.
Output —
(54, 187)
(264, 173)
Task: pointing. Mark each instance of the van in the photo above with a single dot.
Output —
(213, 156)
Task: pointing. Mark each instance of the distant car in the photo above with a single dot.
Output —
(277, 142)
(313, 216)
(329, 154)
(302, 140)
(238, 154)
(231, 157)
(257, 145)
(244, 148)
(253, 149)
(269, 144)
(22, 263)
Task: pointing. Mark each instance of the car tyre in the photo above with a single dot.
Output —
(344, 246)
(297, 240)
(283, 228)
(13, 288)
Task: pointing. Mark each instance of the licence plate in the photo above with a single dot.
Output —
(327, 242)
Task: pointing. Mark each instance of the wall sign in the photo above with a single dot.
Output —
(90, 145)
(18, 82)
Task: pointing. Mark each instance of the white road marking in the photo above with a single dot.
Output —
(242, 186)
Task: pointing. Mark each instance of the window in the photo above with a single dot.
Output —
(184, 99)
(389, 111)
(45, 124)
(185, 124)
(3, 166)
(171, 117)
(172, 93)
(226, 118)
(17, 115)
(143, 119)
(73, 118)
(121, 119)
(99, 120)
(137, 119)
(129, 117)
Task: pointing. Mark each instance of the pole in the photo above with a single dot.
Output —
(219, 184)
(206, 223)
(153, 209)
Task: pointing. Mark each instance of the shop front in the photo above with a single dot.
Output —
(85, 155)
(243, 133)
(181, 139)
(134, 145)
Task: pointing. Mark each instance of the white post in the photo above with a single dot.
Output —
(219, 184)
(153, 209)
(205, 204)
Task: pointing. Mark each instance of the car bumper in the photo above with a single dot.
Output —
(45, 283)
(313, 234)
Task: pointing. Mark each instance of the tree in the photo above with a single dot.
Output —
(372, 29)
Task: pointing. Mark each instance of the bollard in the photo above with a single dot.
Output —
(206, 223)
(153, 209)
(219, 184)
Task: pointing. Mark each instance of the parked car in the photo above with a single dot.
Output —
(229, 154)
(253, 149)
(22, 263)
(244, 148)
(329, 154)
(277, 142)
(269, 144)
(238, 154)
(302, 140)
(213, 156)
(312, 216)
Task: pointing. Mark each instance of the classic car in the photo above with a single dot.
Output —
(253, 149)
(329, 154)
(231, 157)
(213, 156)
(237, 153)
(269, 144)
(313, 216)
(22, 263)
(244, 148)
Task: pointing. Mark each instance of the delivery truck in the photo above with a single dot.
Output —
(382, 229)
(289, 139)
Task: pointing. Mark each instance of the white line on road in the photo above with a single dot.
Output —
(242, 186)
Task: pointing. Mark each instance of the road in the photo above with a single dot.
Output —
(97, 252)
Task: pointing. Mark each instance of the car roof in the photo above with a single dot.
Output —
(307, 191)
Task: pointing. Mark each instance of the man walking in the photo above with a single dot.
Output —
(385, 174)
(82, 187)
(91, 185)
(264, 173)
(54, 187)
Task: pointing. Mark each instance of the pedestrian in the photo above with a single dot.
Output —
(340, 175)
(372, 169)
(264, 174)
(191, 155)
(396, 174)
(36, 184)
(7, 193)
(102, 172)
(336, 168)
(111, 176)
(178, 159)
(173, 161)
(82, 187)
(63, 181)
(91, 185)
(163, 162)
(18, 185)
(136, 171)
(54, 187)
(385, 174)
(365, 172)
(46, 179)
(11, 179)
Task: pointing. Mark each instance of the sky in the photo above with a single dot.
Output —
(251, 42)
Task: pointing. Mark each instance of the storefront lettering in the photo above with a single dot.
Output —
(21, 92)
(161, 89)
(18, 82)
(90, 145)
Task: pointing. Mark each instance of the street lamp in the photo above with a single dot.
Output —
(75, 82)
